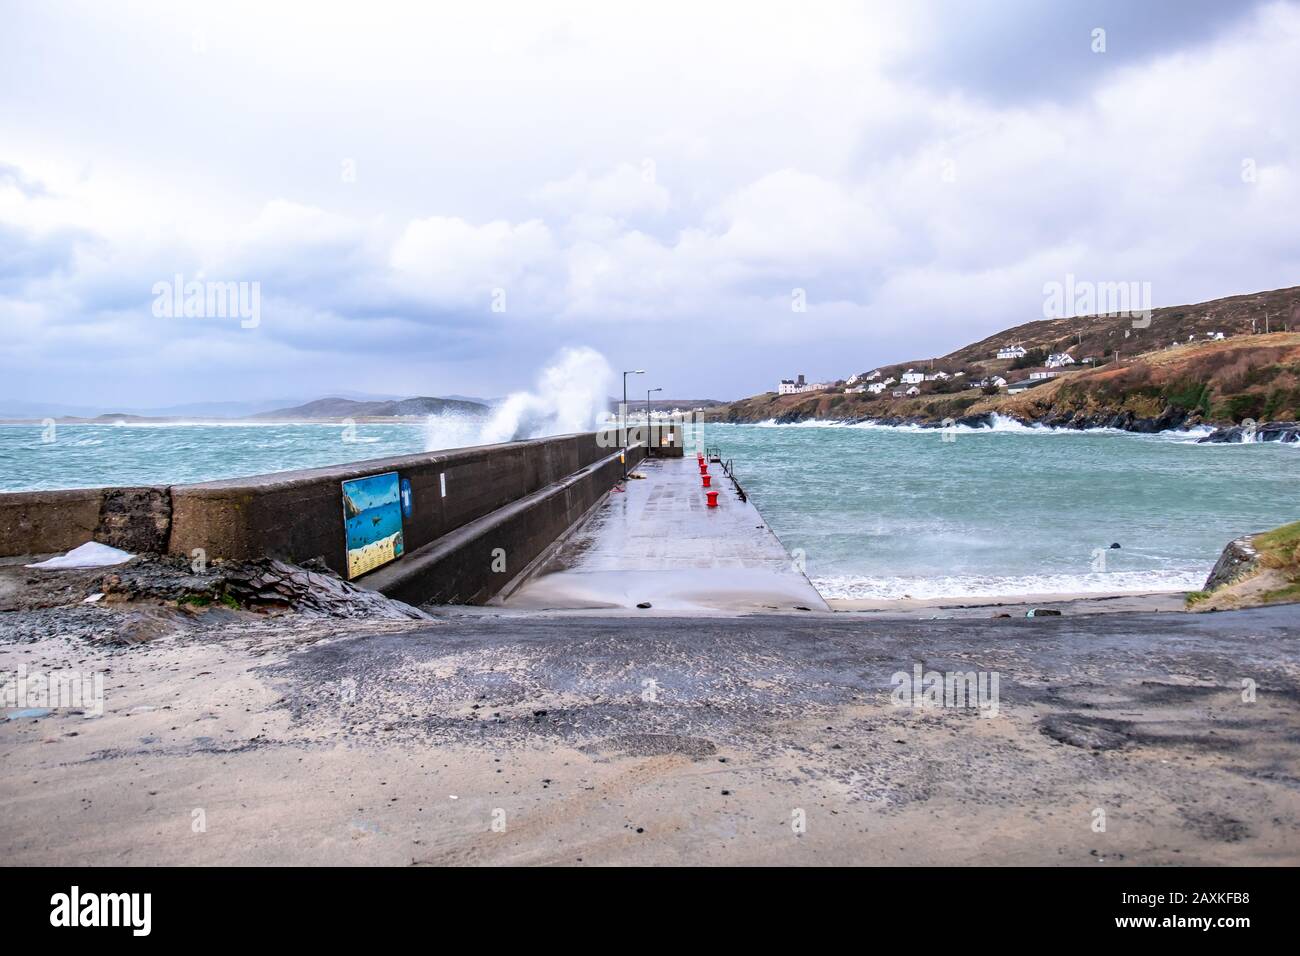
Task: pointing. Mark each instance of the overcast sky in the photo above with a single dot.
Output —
(652, 180)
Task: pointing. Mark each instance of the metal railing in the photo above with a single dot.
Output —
(729, 469)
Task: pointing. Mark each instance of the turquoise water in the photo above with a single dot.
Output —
(876, 512)
(85, 456)
(887, 512)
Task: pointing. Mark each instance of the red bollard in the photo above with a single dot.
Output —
(706, 479)
(713, 498)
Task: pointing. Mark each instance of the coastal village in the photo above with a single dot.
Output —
(1012, 369)
(1219, 362)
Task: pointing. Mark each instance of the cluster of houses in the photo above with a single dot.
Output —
(1191, 337)
(799, 386)
(876, 382)
(911, 382)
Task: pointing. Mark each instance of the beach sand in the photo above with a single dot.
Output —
(1016, 605)
(580, 741)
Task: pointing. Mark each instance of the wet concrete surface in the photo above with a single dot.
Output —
(657, 542)
(726, 677)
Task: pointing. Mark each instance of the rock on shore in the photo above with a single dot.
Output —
(1268, 431)
(1171, 419)
(1239, 559)
(153, 596)
(1254, 569)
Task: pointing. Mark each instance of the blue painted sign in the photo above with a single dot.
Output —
(408, 499)
(372, 516)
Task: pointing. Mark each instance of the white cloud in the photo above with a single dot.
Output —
(612, 173)
(450, 261)
(625, 192)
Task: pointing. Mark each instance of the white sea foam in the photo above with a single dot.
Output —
(983, 586)
(452, 430)
(1000, 425)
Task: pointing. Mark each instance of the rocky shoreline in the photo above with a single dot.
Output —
(1171, 419)
(1287, 432)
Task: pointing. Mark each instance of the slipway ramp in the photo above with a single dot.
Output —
(659, 543)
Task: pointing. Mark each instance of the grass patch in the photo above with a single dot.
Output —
(1280, 548)
(1195, 597)
(1240, 407)
(1289, 593)
(1190, 395)
(203, 600)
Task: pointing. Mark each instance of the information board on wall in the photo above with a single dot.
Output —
(372, 521)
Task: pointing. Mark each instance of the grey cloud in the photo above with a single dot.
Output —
(1028, 50)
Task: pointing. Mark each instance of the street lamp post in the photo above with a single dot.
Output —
(647, 414)
(623, 418)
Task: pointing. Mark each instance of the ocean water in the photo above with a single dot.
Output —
(893, 512)
(875, 512)
(85, 456)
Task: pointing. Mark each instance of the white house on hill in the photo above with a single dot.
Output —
(911, 377)
(1059, 360)
(1011, 352)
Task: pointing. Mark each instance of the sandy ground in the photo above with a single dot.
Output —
(497, 738)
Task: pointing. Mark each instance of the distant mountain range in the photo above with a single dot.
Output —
(399, 408)
(341, 405)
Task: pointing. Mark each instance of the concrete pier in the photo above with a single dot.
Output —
(657, 542)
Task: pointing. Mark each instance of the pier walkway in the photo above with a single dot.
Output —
(659, 543)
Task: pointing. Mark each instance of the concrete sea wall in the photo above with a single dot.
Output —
(44, 522)
(467, 503)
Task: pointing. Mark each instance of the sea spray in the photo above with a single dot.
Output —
(452, 430)
(571, 395)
